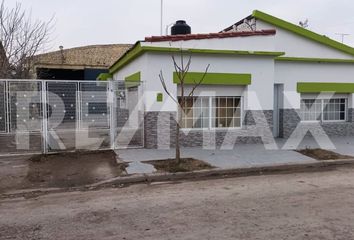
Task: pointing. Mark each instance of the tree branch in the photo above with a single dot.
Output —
(197, 84)
(163, 83)
(22, 39)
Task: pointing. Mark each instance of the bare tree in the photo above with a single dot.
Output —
(3, 61)
(22, 38)
(181, 68)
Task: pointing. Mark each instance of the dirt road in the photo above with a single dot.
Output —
(294, 206)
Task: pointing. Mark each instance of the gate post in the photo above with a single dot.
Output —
(7, 107)
(44, 117)
(113, 115)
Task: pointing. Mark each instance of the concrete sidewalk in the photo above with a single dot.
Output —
(242, 156)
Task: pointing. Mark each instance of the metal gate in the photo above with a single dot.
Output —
(44, 116)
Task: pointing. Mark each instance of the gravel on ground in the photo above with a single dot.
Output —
(310, 206)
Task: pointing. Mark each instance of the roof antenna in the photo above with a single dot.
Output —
(304, 24)
(343, 35)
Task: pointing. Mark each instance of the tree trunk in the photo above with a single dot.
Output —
(178, 150)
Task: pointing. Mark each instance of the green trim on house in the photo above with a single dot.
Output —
(215, 78)
(138, 50)
(159, 97)
(317, 87)
(136, 77)
(302, 32)
(129, 56)
(319, 60)
(104, 76)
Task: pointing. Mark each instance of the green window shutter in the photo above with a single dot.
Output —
(215, 78)
(136, 77)
(316, 87)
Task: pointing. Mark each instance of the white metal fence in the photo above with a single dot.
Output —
(51, 116)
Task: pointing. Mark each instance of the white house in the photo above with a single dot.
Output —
(267, 77)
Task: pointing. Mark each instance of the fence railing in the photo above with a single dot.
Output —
(50, 115)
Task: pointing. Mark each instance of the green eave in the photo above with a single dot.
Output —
(136, 77)
(318, 60)
(317, 87)
(215, 78)
(104, 76)
(138, 50)
(302, 32)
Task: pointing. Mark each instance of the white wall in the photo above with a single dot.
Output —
(138, 65)
(297, 46)
(290, 73)
(261, 68)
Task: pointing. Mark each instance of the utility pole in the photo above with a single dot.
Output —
(343, 35)
(161, 20)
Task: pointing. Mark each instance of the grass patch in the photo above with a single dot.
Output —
(322, 154)
(185, 165)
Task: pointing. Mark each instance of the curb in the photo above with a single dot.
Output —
(217, 173)
(192, 176)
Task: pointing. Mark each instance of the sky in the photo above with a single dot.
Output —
(86, 22)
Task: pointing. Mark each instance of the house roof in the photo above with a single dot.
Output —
(95, 56)
(136, 50)
(297, 30)
(209, 36)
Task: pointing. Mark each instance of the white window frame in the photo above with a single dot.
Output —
(192, 109)
(302, 114)
(322, 111)
(345, 112)
(210, 115)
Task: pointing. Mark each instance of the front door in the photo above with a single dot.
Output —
(278, 103)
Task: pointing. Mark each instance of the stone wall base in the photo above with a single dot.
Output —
(160, 131)
(290, 120)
